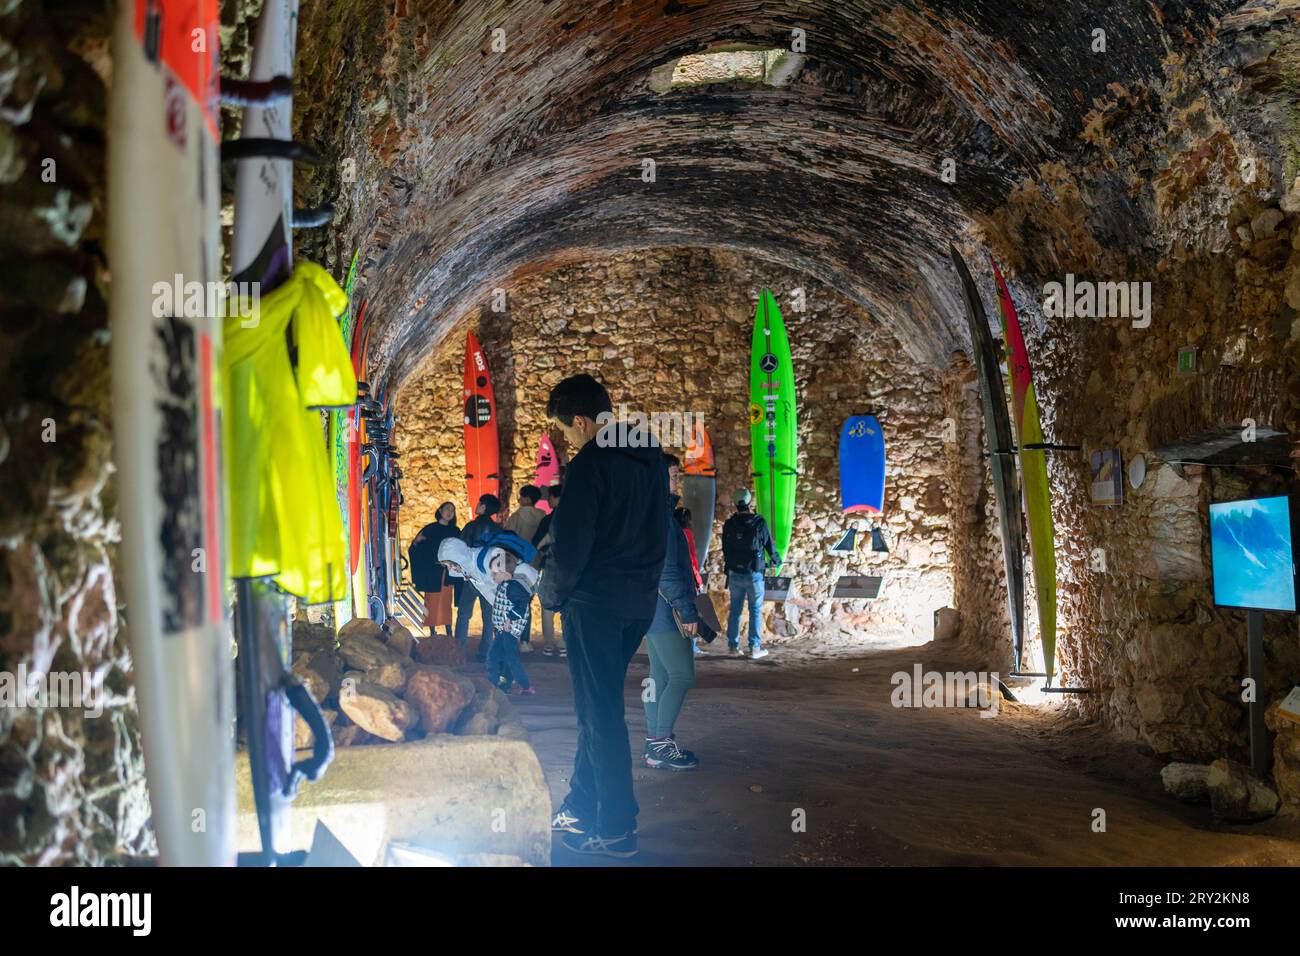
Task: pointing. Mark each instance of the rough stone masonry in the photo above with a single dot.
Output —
(1166, 153)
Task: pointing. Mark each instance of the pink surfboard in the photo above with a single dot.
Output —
(548, 468)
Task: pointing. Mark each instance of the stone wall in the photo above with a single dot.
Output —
(72, 786)
(1184, 186)
(669, 330)
(979, 577)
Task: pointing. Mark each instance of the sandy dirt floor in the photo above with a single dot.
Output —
(885, 786)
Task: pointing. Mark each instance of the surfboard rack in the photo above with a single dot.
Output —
(1035, 446)
(1067, 690)
(264, 147)
(853, 586)
(313, 217)
(255, 93)
(1027, 674)
(1051, 446)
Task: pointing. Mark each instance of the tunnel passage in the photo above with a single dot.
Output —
(1144, 148)
(668, 330)
(1167, 156)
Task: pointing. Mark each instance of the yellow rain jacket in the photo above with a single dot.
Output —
(284, 511)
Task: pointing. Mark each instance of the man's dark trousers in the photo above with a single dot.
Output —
(601, 645)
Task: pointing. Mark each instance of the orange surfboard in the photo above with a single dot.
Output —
(699, 454)
(700, 489)
(482, 455)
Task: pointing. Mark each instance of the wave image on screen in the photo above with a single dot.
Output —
(1251, 554)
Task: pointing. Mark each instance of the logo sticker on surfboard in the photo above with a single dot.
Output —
(768, 363)
(478, 411)
(755, 413)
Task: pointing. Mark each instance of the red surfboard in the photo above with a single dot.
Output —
(481, 451)
(354, 449)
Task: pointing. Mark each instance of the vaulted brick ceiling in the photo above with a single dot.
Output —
(478, 166)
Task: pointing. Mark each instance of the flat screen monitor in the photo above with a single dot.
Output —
(1252, 554)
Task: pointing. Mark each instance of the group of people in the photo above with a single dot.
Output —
(465, 584)
(617, 562)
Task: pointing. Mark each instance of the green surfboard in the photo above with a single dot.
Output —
(774, 436)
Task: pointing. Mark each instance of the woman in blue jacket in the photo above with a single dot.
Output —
(672, 660)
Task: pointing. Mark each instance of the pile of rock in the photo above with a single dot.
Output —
(378, 684)
(1235, 795)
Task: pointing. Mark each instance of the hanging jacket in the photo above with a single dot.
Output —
(284, 513)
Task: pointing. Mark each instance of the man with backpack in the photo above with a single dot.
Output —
(746, 541)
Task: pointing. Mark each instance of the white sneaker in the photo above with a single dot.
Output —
(757, 652)
(525, 648)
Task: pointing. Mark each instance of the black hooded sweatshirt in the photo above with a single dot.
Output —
(608, 531)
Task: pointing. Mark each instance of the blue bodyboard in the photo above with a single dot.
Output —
(862, 465)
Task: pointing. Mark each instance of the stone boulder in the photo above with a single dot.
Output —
(312, 638)
(439, 649)
(1188, 782)
(465, 680)
(361, 652)
(360, 627)
(1236, 796)
(350, 735)
(398, 639)
(302, 733)
(483, 715)
(368, 654)
(321, 673)
(328, 667)
(1286, 754)
(377, 710)
(391, 675)
(439, 699)
(316, 685)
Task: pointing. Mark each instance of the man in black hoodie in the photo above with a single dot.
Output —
(609, 535)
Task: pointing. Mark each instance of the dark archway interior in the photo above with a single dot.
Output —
(487, 150)
(479, 165)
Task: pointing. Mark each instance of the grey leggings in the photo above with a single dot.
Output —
(672, 673)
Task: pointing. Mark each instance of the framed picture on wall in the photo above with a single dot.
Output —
(1107, 478)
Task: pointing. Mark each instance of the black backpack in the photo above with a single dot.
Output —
(742, 543)
(426, 573)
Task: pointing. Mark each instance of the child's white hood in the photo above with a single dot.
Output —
(454, 549)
